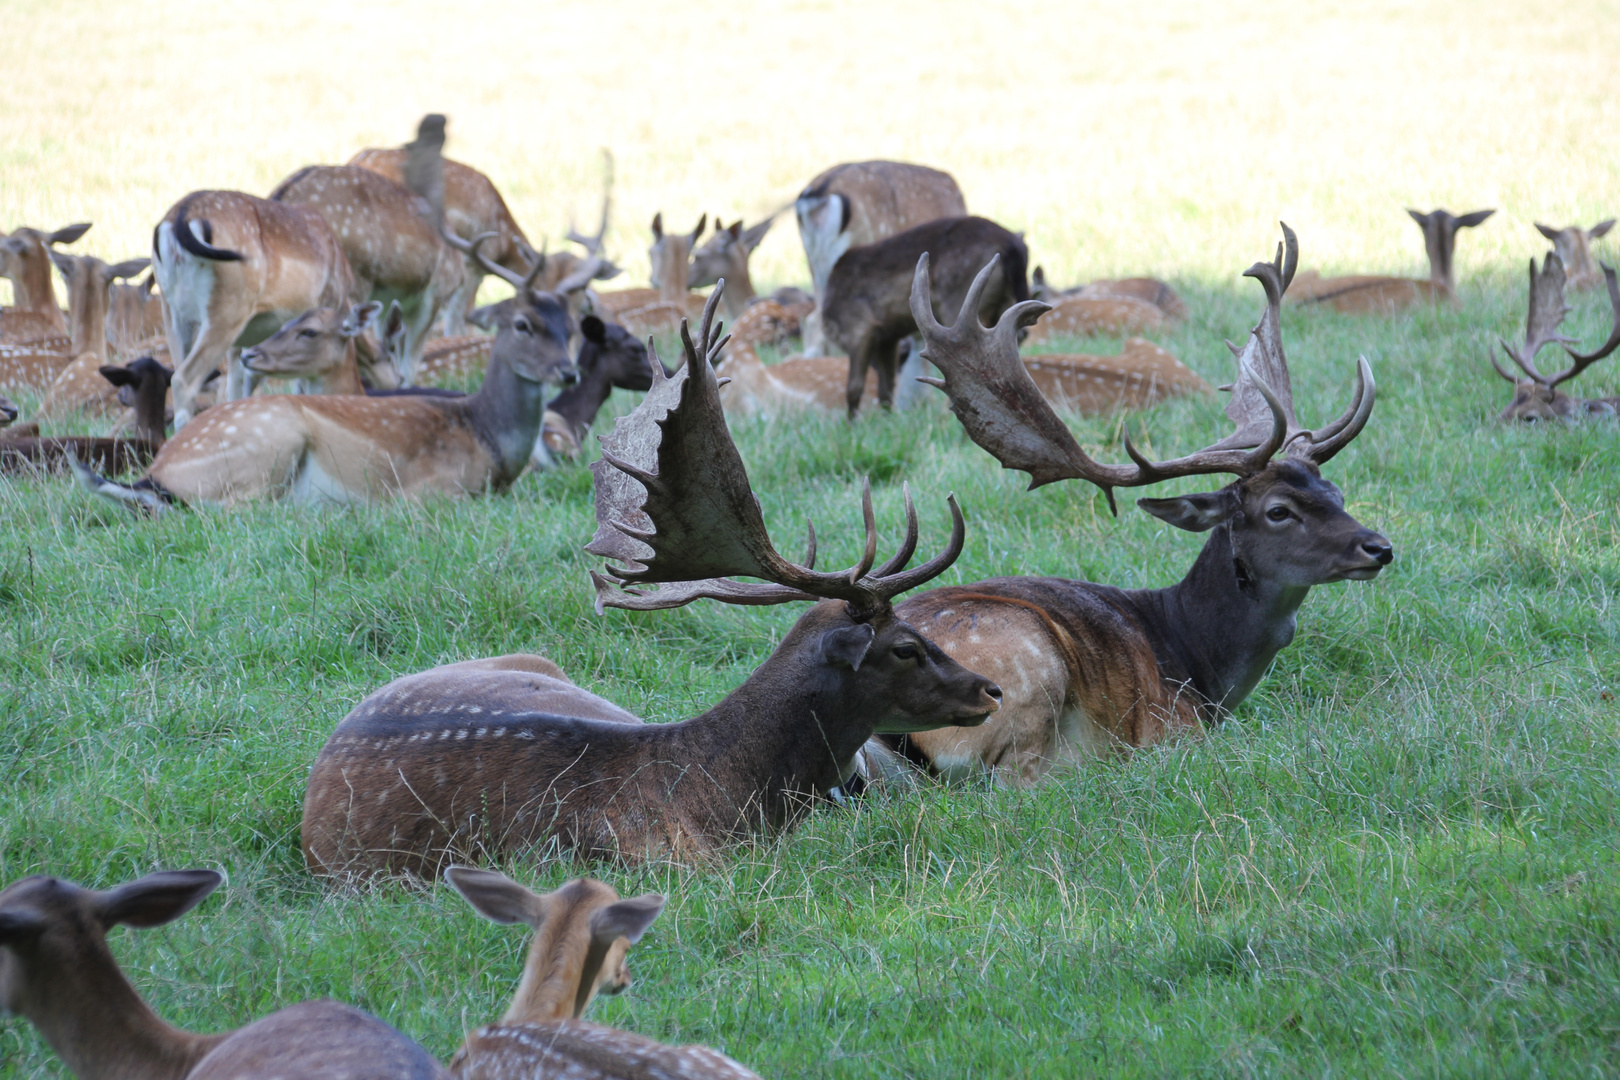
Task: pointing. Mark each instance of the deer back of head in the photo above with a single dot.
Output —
(25, 261)
(1573, 246)
(1440, 241)
(319, 347)
(89, 283)
(670, 258)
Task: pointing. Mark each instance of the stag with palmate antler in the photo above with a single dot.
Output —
(1537, 397)
(1085, 667)
(500, 757)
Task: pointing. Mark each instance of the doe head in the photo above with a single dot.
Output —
(615, 353)
(1574, 248)
(312, 344)
(726, 253)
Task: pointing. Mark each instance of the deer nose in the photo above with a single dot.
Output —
(1381, 550)
(993, 692)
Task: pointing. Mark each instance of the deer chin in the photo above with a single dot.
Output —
(965, 718)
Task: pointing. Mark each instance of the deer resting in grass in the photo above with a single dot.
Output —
(726, 256)
(144, 384)
(89, 281)
(57, 971)
(1363, 294)
(866, 302)
(1537, 397)
(480, 760)
(1085, 667)
(1146, 289)
(25, 261)
(1574, 248)
(582, 933)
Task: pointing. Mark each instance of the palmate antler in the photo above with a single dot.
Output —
(674, 507)
(1005, 413)
(1547, 311)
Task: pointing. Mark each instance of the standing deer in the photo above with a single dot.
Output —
(865, 304)
(582, 933)
(1536, 397)
(1363, 294)
(860, 203)
(56, 970)
(25, 262)
(486, 760)
(1574, 248)
(273, 261)
(1088, 667)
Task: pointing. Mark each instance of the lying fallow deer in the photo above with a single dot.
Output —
(481, 759)
(1536, 397)
(1149, 290)
(57, 971)
(1142, 374)
(609, 358)
(1363, 294)
(135, 319)
(88, 281)
(145, 385)
(1574, 248)
(582, 933)
(1088, 667)
(346, 449)
(726, 256)
(1088, 316)
(25, 262)
(647, 311)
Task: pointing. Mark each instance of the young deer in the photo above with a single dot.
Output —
(583, 932)
(347, 449)
(488, 761)
(144, 384)
(57, 971)
(1574, 248)
(1365, 294)
(609, 358)
(25, 262)
(1536, 397)
(1089, 667)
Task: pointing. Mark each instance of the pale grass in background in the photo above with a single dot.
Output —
(1163, 138)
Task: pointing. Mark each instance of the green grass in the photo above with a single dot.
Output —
(1399, 858)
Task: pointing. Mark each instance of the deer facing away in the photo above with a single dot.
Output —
(1088, 667)
(1537, 397)
(1363, 294)
(1574, 247)
(582, 933)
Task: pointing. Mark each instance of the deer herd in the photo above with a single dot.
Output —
(352, 285)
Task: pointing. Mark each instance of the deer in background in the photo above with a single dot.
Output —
(135, 319)
(1142, 374)
(1087, 668)
(33, 318)
(647, 311)
(726, 256)
(413, 776)
(1148, 290)
(609, 358)
(144, 385)
(1574, 248)
(1366, 294)
(866, 302)
(749, 386)
(56, 970)
(88, 280)
(1536, 397)
(859, 203)
(582, 933)
(8, 412)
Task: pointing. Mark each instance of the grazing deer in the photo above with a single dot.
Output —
(582, 934)
(346, 449)
(1364, 294)
(25, 262)
(859, 203)
(493, 762)
(865, 302)
(1141, 375)
(57, 971)
(273, 261)
(1149, 290)
(144, 385)
(1574, 248)
(1089, 667)
(1536, 397)
(726, 256)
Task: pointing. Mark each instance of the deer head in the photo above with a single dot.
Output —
(1440, 240)
(1573, 246)
(669, 256)
(143, 385)
(315, 345)
(1536, 397)
(24, 261)
(89, 283)
(726, 254)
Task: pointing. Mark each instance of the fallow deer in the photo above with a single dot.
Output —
(57, 971)
(859, 203)
(1087, 316)
(273, 261)
(1574, 248)
(582, 933)
(726, 256)
(487, 761)
(344, 449)
(1088, 667)
(1363, 294)
(144, 384)
(321, 348)
(865, 303)
(8, 412)
(609, 358)
(88, 281)
(25, 261)
(1142, 374)
(1536, 397)
(647, 311)
(135, 319)
(1149, 290)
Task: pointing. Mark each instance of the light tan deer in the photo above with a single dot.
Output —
(662, 307)
(57, 971)
(1142, 374)
(25, 261)
(582, 933)
(1088, 316)
(1574, 247)
(726, 256)
(1376, 294)
(801, 382)
(1152, 290)
(135, 319)
(88, 280)
(272, 261)
(1537, 397)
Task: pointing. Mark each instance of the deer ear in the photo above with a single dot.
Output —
(64, 263)
(360, 317)
(847, 646)
(1195, 513)
(1476, 217)
(497, 897)
(1600, 230)
(17, 927)
(157, 898)
(69, 233)
(593, 329)
(118, 376)
(129, 268)
(626, 919)
(658, 225)
(1421, 218)
(1547, 230)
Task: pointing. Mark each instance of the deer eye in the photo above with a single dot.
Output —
(522, 326)
(905, 651)
(308, 333)
(1278, 513)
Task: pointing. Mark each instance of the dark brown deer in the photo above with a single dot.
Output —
(866, 303)
(144, 385)
(609, 358)
(492, 762)
(1537, 397)
(57, 971)
(1574, 247)
(1088, 667)
(582, 933)
(25, 262)
(1362, 294)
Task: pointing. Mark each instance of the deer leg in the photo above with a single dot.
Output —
(887, 362)
(211, 347)
(859, 360)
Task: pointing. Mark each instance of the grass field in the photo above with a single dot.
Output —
(1399, 858)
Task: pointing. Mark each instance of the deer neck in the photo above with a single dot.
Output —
(506, 412)
(87, 310)
(33, 289)
(579, 404)
(674, 269)
(1224, 622)
(344, 378)
(739, 288)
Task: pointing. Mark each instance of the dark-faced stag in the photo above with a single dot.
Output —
(1088, 667)
(490, 762)
(1537, 397)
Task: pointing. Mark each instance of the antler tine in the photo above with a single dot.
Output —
(1586, 360)
(869, 519)
(908, 546)
(593, 244)
(1547, 311)
(1339, 434)
(479, 257)
(1500, 370)
(922, 300)
(888, 586)
(580, 278)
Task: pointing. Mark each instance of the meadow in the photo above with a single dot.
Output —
(1398, 858)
